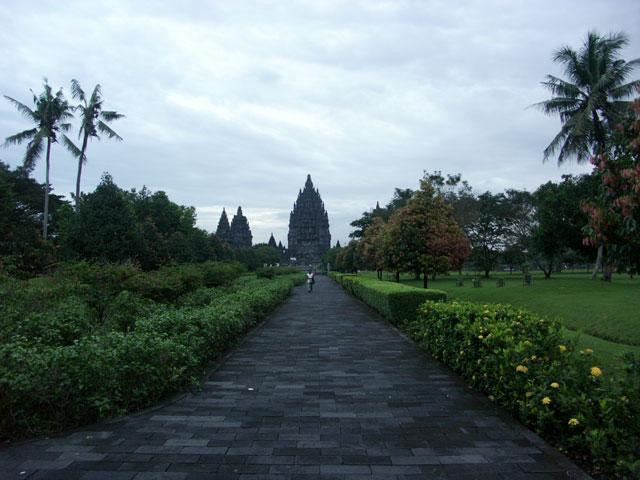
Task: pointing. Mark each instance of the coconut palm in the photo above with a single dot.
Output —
(93, 120)
(594, 97)
(50, 116)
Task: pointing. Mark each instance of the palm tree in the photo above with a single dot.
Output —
(593, 99)
(50, 115)
(592, 102)
(93, 120)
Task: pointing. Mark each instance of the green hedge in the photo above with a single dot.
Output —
(56, 383)
(394, 301)
(522, 362)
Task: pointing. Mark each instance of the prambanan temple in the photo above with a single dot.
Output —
(238, 234)
(309, 236)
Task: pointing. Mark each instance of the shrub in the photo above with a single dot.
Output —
(396, 302)
(522, 361)
(44, 388)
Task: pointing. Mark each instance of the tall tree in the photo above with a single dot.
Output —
(430, 239)
(93, 119)
(51, 115)
(593, 99)
(488, 233)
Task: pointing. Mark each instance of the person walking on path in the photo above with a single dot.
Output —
(310, 280)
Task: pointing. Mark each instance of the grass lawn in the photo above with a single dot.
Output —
(604, 316)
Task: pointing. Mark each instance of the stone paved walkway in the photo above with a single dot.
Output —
(324, 389)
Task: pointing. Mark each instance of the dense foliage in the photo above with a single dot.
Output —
(92, 342)
(396, 302)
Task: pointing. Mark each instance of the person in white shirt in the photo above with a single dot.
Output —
(310, 281)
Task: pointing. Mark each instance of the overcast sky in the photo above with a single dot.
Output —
(233, 102)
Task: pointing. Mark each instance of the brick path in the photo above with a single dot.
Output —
(324, 389)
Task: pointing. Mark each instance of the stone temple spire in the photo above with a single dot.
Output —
(223, 231)
(240, 233)
(309, 236)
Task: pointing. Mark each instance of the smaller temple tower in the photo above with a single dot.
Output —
(223, 232)
(240, 232)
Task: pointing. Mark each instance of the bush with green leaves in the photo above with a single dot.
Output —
(522, 362)
(48, 387)
(271, 272)
(394, 301)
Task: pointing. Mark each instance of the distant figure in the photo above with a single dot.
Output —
(310, 280)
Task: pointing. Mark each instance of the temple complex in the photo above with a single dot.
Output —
(223, 232)
(309, 236)
(239, 232)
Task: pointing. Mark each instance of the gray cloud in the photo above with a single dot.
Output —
(233, 103)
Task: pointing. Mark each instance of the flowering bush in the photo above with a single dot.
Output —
(523, 363)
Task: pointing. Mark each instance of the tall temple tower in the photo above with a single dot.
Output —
(309, 236)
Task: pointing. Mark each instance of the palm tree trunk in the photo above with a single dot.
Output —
(45, 218)
(80, 162)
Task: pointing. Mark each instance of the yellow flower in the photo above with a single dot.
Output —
(546, 401)
(480, 337)
(573, 422)
(588, 351)
(555, 385)
(595, 372)
(562, 348)
(533, 357)
(528, 394)
(492, 398)
(522, 368)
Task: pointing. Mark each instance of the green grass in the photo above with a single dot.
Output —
(603, 316)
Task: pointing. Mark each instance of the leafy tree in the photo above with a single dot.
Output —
(105, 225)
(521, 216)
(51, 115)
(93, 120)
(592, 100)
(559, 219)
(457, 193)
(371, 247)
(348, 259)
(488, 233)
(425, 236)
(330, 257)
(614, 216)
(266, 254)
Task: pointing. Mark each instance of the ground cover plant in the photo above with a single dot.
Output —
(91, 342)
(525, 364)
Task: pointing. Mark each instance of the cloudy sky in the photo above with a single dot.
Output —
(233, 102)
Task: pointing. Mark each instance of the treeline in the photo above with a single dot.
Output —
(108, 225)
(516, 229)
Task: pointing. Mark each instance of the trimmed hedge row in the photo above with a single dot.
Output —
(46, 388)
(394, 301)
(522, 362)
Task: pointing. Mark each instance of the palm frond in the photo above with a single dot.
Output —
(76, 90)
(558, 105)
(104, 128)
(65, 127)
(34, 149)
(624, 91)
(95, 96)
(562, 88)
(18, 138)
(109, 116)
(22, 108)
(75, 151)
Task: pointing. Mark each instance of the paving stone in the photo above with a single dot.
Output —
(323, 389)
